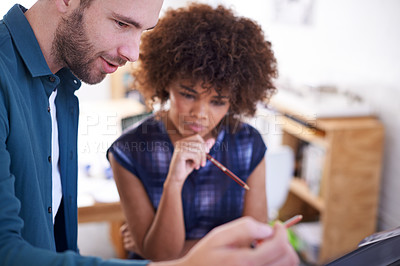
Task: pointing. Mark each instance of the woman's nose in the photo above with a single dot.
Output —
(199, 110)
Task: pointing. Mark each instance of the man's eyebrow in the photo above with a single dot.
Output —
(129, 21)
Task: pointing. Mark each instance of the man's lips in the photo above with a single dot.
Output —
(110, 67)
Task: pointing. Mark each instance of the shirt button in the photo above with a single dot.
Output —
(49, 209)
(49, 158)
(52, 79)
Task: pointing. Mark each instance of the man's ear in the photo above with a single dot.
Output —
(63, 5)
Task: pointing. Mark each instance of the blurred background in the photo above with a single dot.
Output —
(338, 57)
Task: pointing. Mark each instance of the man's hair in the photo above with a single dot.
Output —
(85, 3)
(210, 45)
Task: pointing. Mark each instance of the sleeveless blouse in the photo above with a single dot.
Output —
(209, 197)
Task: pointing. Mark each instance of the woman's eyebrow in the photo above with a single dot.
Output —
(188, 89)
(221, 96)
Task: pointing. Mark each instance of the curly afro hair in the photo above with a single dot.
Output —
(210, 45)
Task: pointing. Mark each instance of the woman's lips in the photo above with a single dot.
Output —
(195, 127)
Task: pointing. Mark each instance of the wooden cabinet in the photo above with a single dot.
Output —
(347, 203)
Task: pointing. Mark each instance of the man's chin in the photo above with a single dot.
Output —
(91, 80)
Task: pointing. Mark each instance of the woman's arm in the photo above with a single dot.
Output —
(255, 200)
(151, 231)
(160, 235)
(188, 245)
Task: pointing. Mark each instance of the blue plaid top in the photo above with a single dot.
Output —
(210, 198)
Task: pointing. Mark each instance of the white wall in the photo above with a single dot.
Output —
(353, 44)
(5, 5)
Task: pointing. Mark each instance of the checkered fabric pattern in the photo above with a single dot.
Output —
(209, 197)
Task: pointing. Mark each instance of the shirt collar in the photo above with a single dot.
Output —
(25, 41)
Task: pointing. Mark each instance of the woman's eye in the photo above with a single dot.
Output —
(187, 95)
(218, 103)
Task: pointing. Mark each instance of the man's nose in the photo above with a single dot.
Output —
(129, 50)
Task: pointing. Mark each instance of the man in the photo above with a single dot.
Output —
(43, 52)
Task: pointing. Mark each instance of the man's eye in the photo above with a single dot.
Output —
(121, 24)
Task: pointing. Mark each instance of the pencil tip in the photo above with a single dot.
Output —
(246, 187)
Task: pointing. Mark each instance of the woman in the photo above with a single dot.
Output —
(207, 68)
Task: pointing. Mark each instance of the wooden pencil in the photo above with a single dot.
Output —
(288, 223)
(292, 221)
(228, 172)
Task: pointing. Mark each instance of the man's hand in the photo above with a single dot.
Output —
(230, 244)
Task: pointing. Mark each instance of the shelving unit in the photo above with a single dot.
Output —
(349, 189)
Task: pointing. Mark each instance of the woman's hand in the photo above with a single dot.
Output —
(127, 239)
(189, 154)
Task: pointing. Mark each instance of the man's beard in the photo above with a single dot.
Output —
(72, 48)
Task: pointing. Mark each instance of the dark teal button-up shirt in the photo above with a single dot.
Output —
(27, 234)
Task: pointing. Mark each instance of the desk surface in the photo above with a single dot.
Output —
(100, 212)
(106, 212)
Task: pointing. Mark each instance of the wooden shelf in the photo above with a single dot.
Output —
(301, 131)
(301, 190)
(347, 203)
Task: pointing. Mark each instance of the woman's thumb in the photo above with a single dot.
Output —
(209, 143)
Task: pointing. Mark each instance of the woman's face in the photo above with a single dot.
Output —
(195, 110)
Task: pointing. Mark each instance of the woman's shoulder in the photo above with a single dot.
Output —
(243, 129)
(246, 134)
